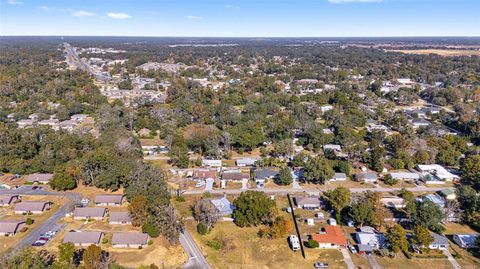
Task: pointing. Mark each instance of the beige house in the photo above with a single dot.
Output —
(129, 240)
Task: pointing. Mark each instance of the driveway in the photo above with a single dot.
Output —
(347, 258)
(451, 259)
(373, 262)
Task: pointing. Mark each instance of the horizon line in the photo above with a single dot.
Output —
(167, 36)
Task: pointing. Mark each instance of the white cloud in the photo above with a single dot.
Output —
(82, 13)
(353, 1)
(45, 8)
(194, 17)
(232, 6)
(118, 16)
(14, 2)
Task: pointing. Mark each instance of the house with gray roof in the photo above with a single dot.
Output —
(109, 199)
(367, 177)
(407, 176)
(39, 178)
(223, 205)
(246, 162)
(11, 227)
(439, 242)
(8, 199)
(466, 240)
(29, 207)
(307, 202)
(83, 238)
(339, 177)
(122, 218)
(264, 174)
(130, 240)
(96, 213)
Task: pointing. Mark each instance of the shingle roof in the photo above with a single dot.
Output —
(5, 199)
(235, 176)
(30, 206)
(109, 198)
(9, 226)
(129, 238)
(83, 237)
(332, 235)
(439, 239)
(89, 212)
(39, 177)
(120, 216)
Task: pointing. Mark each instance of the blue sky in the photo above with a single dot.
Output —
(241, 18)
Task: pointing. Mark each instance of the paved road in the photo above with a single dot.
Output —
(315, 191)
(196, 260)
(347, 258)
(451, 259)
(75, 59)
(51, 222)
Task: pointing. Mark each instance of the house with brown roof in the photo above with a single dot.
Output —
(10, 227)
(121, 218)
(307, 202)
(96, 213)
(204, 174)
(108, 200)
(130, 240)
(32, 207)
(330, 237)
(39, 178)
(8, 199)
(235, 176)
(83, 238)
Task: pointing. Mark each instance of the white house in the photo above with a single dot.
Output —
(211, 163)
(339, 177)
(466, 240)
(437, 171)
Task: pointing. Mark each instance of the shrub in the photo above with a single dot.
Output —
(150, 242)
(202, 228)
(312, 243)
(104, 241)
(180, 199)
(151, 230)
(215, 244)
(29, 221)
(389, 180)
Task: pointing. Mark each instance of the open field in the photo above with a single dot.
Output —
(244, 249)
(401, 262)
(441, 52)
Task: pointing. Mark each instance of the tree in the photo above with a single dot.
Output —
(93, 257)
(421, 236)
(27, 258)
(202, 228)
(318, 170)
(150, 229)
(253, 208)
(397, 238)
(277, 229)
(410, 202)
(312, 243)
(389, 180)
(64, 179)
(206, 213)
(284, 177)
(339, 199)
(138, 210)
(471, 170)
(362, 213)
(429, 215)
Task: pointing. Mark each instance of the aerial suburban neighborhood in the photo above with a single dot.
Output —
(124, 149)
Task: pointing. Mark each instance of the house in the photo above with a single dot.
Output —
(130, 240)
(25, 123)
(243, 162)
(439, 242)
(39, 178)
(326, 108)
(393, 202)
(406, 176)
(235, 176)
(264, 174)
(330, 237)
(436, 171)
(434, 198)
(96, 213)
(339, 177)
(31, 207)
(448, 194)
(367, 177)
(223, 206)
(83, 238)
(204, 174)
(466, 240)
(417, 123)
(211, 163)
(78, 117)
(109, 200)
(122, 218)
(51, 122)
(327, 131)
(68, 125)
(307, 202)
(370, 241)
(8, 199)
(333, 147)
(11, 227)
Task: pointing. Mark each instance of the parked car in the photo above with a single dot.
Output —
(43, 238)
(352, 249)
(39, 243)
(320, 265)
